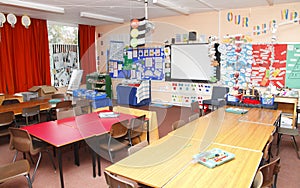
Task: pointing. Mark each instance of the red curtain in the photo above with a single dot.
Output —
(24, 56)
(87, 50)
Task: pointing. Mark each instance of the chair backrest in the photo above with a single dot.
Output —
(6, 118)
(16, 169)
(266, 152)
(58, 96)
(119, 129)
(195, 108)
(258, 180)
(64, 104)
(137, 124)
(137, 147)
(20, 140)
(10, 101)
(62, 113)
(193, 117)
(219, 92)
(270, 172)
(83, 106)
(31, 111)
(115, 182)
(178, 124)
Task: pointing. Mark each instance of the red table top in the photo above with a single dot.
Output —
(69, 130)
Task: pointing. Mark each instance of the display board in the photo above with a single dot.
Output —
(190, 62)
(292, 78)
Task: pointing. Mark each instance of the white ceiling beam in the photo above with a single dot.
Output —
(30, 5)
(101, 17)
(208, 5)
(172, 6)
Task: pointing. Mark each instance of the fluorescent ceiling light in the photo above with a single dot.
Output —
(101, 17)
(31, 5)
(172, 6)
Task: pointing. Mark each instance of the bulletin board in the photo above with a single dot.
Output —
(292, 78)
(269, 65)
(232, 62)
(141, 64)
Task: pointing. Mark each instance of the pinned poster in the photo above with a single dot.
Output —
(292, 78)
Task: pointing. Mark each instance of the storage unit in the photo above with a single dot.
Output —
(99, 82)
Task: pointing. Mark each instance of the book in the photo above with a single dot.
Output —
(213, 157)
(108, 115)
(236, 110)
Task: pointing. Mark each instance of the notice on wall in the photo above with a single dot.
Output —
(292, 78)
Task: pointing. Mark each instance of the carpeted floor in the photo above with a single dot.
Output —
(81, 176)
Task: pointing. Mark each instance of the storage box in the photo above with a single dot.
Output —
(267, 101)
(231, 98)
(79, 93)
(29, 95)
(43, 90)
(94, 95)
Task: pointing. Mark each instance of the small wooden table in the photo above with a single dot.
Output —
(288, 105)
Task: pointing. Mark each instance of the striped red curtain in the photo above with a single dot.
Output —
(87, 50)
(24, 56)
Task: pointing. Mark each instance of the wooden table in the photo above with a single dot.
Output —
(168, 162)
(17, 108)
(6, 96)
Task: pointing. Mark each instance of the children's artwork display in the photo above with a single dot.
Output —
(269, 65)
(141, 64)
(293, 66)
(236, 64)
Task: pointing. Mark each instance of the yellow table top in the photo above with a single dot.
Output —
(168, 161)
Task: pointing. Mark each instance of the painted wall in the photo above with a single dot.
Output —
(247, 21)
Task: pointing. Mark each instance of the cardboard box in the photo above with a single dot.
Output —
(43, 90)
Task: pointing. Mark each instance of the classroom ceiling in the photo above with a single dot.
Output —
(126, 9)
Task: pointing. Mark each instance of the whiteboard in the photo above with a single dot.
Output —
(191, 62)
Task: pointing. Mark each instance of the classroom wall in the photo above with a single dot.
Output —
(250, 21)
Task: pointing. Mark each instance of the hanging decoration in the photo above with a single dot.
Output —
(11, 19)
(25, 21)
(2, 19)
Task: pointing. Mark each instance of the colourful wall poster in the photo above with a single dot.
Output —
(269, 65)
(235, 61)
(292, 78)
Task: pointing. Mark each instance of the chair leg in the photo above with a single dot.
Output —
(278, 143)
(296, 147)
(28, 180)
(52, 161)
(15, 156)
(110, 157)
(36, 166)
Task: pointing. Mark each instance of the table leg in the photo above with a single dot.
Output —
(76, 154)
(99, 165)
(148, 136)
(59, 159)
(94, 163)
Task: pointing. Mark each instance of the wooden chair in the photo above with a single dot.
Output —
(136, 128)
(177, 124)
(115, 139)
(137, 147)
(16, 169)
(20, 140)
(258, 180)
(195, 108)
(7, 119)
(31, 113)
(62, 104)
(83, 106)
(10, 101)
(270, 172)
(62, 113)
(115, 182)
(193, 117)
(58, 96)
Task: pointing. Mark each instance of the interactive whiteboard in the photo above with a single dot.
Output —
(191, 62)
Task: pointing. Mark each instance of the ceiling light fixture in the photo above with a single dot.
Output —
(171, 6)
(101, 17)
(31, 5)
